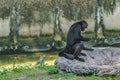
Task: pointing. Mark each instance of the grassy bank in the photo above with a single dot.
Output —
(44, 72)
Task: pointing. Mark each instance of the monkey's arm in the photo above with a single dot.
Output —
(78, 36)
(85, 39)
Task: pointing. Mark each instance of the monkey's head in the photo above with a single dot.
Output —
(83, 24)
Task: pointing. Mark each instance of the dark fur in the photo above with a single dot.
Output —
(74, 39)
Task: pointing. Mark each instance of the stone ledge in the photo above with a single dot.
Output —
(101, 61)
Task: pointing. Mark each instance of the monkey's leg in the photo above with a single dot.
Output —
(66, 55)
(78, 48)
(77, 52)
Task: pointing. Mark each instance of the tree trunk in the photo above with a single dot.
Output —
(99, 21)
(41, 28)
(57, 25)
(14, 25)
(29, 26)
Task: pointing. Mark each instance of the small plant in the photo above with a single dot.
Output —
(53, 70)
(19, 69)
(5, 71)
(22, 68)
(42, 67)
(44, 79)
(14, 63)
(65, 76)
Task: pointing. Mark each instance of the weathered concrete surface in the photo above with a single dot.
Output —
(101, 61)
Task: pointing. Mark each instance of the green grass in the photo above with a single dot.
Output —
(45, 72)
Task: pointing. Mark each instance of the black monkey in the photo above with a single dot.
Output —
(74, 46)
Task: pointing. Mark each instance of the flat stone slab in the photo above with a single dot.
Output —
(101, 61)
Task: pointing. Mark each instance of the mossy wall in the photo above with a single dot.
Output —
(111, 22)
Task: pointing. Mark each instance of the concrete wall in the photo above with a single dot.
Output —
(111, 22)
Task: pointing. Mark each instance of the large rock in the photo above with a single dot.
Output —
(100, 61)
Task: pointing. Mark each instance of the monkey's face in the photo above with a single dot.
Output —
(84, 26)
